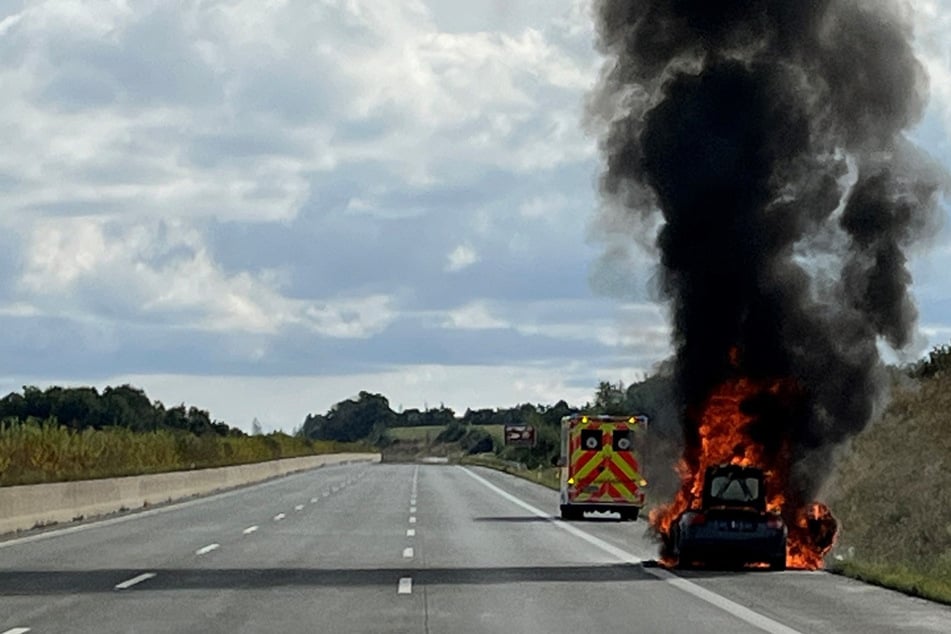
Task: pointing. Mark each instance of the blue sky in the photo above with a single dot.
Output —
(263, 208)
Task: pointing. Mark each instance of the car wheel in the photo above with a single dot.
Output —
(685, 559)
(778, 563)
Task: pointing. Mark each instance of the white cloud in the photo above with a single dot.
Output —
(473, 316)
(546, 205)
(463, 256)
(165, 270)
(258, 183)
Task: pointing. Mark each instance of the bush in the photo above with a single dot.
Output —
(36, 451)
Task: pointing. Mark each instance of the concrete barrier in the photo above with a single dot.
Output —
(25, 507)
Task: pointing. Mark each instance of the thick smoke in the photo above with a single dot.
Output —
(768, 136)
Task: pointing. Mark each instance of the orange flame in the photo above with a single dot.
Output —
(724, 438)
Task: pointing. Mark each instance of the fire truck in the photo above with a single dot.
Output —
(600, 470)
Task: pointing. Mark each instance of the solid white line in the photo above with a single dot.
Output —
(204, 550)
(405, 586)
(279, 517)
(299, 507)
(18, 630)
(739, 611)
(411, 532)
(128, 583)
(408, 553)
(412, 519)
(249, 530)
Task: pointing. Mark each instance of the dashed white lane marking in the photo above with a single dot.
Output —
(412, 500)
(412, 519)
(204, 550)
(313, 500)
(412, 509)
(325, 493)
(408, 553)
(299, 507)
(739, 611)
(405, 586)
(279, 517)
(411, 532)
(128, 583)
(249, 530)
(17, 630)
(334, 489)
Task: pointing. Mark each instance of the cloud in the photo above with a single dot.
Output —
(237, 188)
(473, 316)
(463, 256)
(163, 271)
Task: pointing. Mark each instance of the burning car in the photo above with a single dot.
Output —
(732, 525)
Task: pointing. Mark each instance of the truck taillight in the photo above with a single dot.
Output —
(697, 519)
(774, 521)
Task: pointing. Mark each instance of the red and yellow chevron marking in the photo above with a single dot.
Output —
(605, 475)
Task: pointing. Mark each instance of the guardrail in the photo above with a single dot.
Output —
(29, 506)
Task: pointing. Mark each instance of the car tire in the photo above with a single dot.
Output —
(685, 559)
(778, 564)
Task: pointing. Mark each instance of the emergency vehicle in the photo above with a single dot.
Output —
(600, 469)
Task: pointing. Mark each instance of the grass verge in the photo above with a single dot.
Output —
(42, 452)
(548, 477)
(897, 578)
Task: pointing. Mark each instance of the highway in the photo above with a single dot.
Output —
(404, 548)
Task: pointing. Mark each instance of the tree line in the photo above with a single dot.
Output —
(127, 407)
(368, 417)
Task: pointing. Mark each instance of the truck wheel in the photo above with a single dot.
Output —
(778, 563)
(570, 514)
(629, 515)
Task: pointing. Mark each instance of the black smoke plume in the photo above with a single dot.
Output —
(765, 139)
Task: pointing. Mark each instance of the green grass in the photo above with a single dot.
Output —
(423, 433)
(427, 433)
(892, 491)
(903, 579)
(548, 477)
(38, 452)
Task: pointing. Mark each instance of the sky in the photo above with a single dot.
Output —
(264, 207)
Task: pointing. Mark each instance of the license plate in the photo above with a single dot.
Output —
(737, 525)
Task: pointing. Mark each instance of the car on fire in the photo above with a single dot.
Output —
(732, 526)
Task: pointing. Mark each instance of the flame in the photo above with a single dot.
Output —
(724, 437)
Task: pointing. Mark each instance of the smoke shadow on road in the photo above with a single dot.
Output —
(534, 519)
(58, 582)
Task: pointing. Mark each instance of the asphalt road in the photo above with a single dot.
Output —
(404, 548)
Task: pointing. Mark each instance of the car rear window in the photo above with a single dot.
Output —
(735, 490)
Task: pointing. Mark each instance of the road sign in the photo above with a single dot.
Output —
(520, 436)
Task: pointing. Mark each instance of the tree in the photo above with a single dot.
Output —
(609, 398)
(351, 420)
